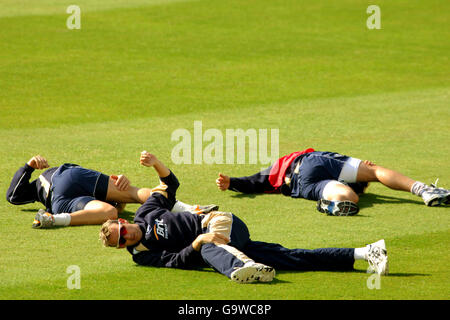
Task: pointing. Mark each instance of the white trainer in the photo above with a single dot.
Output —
(377, 257)
(434, 197)
(43, 220)
(253, 272)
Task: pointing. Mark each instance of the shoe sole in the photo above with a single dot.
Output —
(253, 273)
(37, 224)
(438, 200)
(386, 265)
(214, 208)
(346, 208)
(385, 269)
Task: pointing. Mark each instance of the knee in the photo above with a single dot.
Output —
(111, 213)
(123, 196)
(339, 192)
(345, 196)
(353, 197)
(368, 171)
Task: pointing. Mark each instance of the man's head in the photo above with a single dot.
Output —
(120, 233)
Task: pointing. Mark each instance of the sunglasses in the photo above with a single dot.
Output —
(122, 232)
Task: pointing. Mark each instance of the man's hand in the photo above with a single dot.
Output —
(122, 183)
(148, 159)
(223, 182)
(369, 163)
(211, 237)
(38, 162)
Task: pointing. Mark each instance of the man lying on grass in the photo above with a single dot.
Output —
(161, 238)
(331, 179)
(73, 195)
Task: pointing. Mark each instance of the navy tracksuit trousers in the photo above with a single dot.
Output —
(225, 259)
(316, 170)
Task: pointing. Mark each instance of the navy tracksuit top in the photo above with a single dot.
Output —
(167, 235)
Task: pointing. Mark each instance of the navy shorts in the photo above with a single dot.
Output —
(73, 187)
(317, 169)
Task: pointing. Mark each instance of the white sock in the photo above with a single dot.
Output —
(181, 207)
(418, 188)
(62, 219)
(361, 253)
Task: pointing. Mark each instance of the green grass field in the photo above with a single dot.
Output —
(138, 70)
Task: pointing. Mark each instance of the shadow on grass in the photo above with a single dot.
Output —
(273, 282)
(127, 215)
(253, 195)
(29, 210)
(397, 274)
(369, 199)
(402, 274)
(280, 272)
(366, 200)
(210, 270)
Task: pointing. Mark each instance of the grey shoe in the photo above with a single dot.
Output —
(43, 220)
(377, 257)
(252, 273)
(434, 197)
(337, 208)
(447, 199)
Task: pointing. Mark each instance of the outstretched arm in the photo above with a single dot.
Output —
(150, 160)
(164, 195)
(257, 183)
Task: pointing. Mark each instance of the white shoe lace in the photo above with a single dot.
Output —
(438, 190)
(434, 185)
